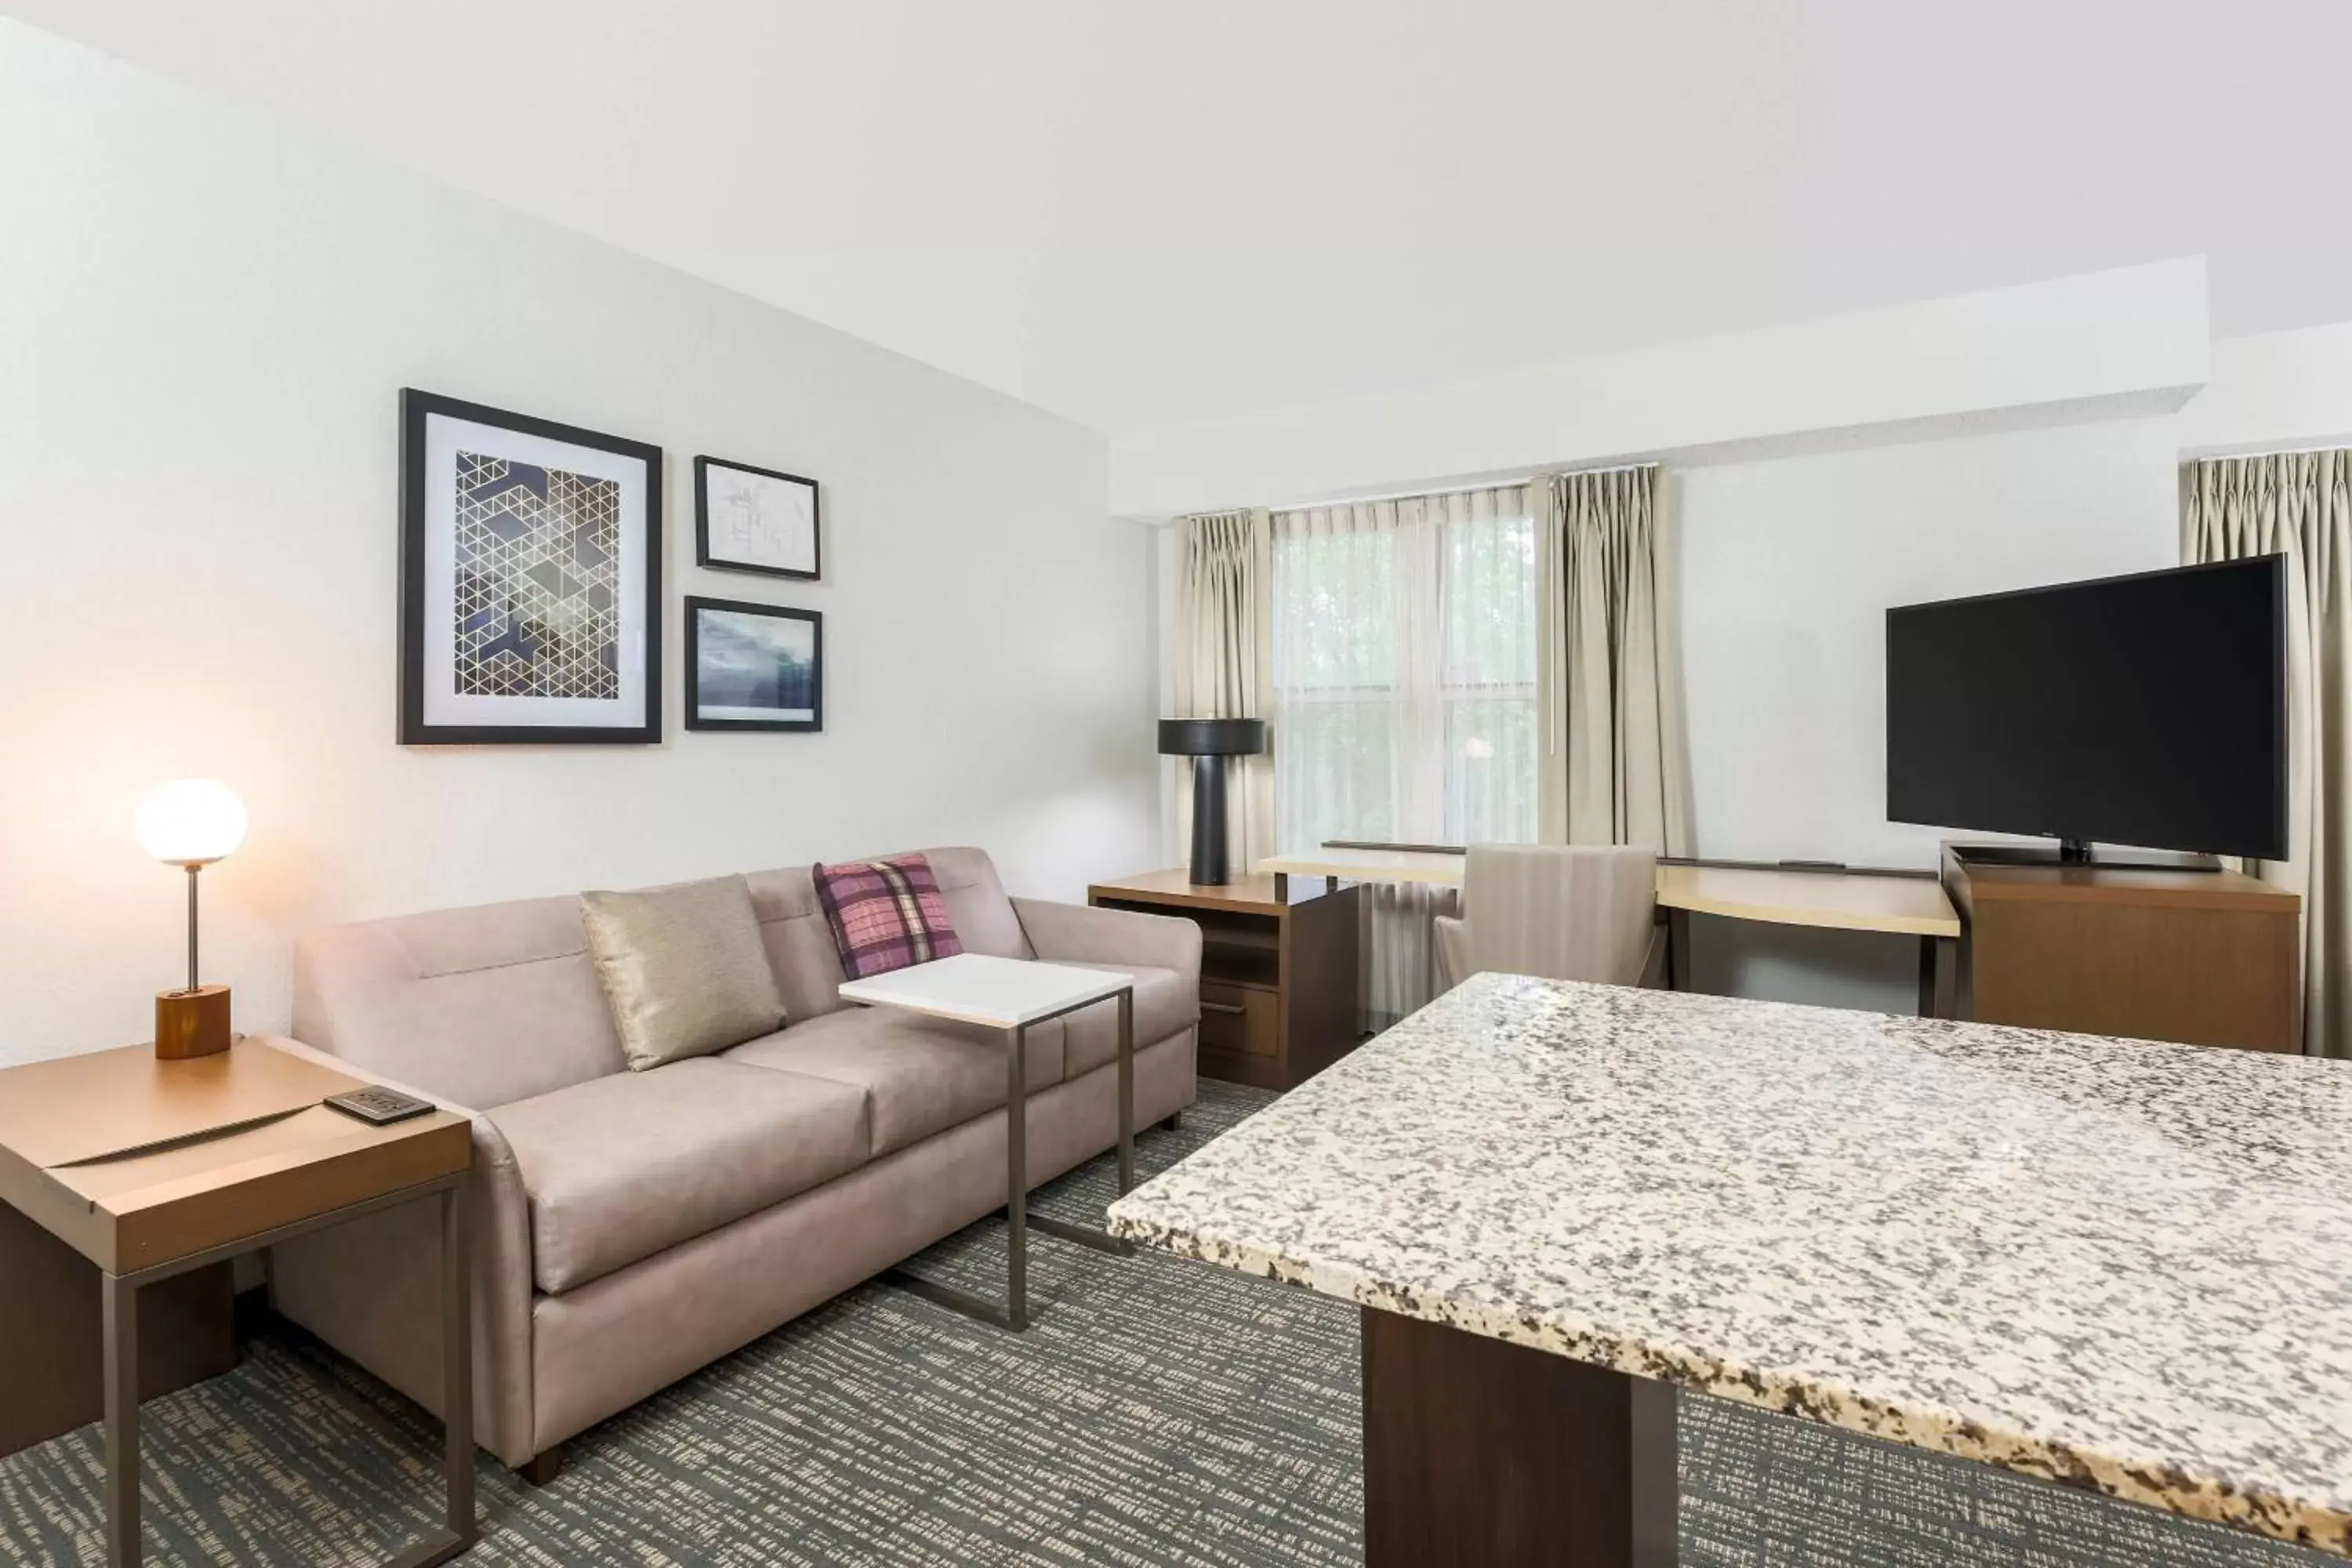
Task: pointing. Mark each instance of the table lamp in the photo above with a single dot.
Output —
(191, 823)
(1209, 742)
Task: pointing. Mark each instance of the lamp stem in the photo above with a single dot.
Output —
(1211, 862)
(191, 925)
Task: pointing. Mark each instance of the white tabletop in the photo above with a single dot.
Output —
(976, 988)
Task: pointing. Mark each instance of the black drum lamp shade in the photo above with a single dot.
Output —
(1209, 742)
(1211, 737)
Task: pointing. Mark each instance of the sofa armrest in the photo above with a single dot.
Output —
(370, 1288)
(1082, 934)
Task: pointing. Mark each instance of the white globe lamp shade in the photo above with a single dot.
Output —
(190, 822)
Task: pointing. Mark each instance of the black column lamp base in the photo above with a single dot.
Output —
(1209, 742)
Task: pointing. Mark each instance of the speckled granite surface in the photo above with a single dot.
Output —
(2122, 1266)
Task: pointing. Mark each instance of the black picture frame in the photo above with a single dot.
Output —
(695, 608)
(703, 466)
(416, 408)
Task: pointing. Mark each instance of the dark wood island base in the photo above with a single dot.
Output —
(1480, 1451)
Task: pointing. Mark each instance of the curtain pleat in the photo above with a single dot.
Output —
(1611, 771)
(2299, 504)
(1224, 662)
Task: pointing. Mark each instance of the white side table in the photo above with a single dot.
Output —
(1012, 994)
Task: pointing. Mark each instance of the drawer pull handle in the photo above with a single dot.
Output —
(1234, 1007)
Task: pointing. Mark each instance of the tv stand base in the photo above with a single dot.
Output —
(2072, 853)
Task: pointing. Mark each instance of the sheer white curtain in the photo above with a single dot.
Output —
(1404, 693)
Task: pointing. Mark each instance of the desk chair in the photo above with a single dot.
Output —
(1559, 911)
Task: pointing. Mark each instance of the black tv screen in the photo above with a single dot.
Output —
(2148, 709)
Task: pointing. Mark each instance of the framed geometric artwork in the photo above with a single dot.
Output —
(529, 580)
(753, 666)
(754, 520)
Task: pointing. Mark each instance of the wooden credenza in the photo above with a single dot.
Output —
(2207, 958)
(1277, 969)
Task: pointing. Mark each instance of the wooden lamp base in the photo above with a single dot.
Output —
(192, 1023)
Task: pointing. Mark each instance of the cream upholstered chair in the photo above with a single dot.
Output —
(1557, 910)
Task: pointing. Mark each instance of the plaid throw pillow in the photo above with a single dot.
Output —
(885, 914)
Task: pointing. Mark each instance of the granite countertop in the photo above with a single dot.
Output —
(2123, 1266)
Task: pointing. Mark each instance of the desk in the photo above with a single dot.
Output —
(1834, 901)
(2112, 1263)
(153, 1170)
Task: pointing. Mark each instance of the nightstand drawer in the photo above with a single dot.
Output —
(1242, 1019)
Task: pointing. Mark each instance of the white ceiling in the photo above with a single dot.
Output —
(1139, 214)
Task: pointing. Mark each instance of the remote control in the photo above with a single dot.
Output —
(379, 1107)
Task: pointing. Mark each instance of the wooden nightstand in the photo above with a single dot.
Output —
(155, 1169)
(1277, 969)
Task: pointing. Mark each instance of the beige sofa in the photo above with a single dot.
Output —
(632, 1227)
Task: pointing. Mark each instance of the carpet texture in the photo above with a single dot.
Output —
(1157, 1412)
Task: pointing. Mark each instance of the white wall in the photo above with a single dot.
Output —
(204, 319)
(1788, 566)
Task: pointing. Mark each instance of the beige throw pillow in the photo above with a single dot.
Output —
(683, 967)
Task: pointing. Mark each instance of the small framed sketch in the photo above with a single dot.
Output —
(753, 666)
(754, 520)
(529, 580)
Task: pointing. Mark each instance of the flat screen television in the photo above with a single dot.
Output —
(2147, 710)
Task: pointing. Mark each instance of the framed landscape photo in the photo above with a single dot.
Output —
(529, 580)
(755, 519)
(753, 666)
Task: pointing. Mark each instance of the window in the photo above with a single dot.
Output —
(1404, 670)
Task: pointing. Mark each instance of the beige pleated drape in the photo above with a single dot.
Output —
(1611, 758)
(1224, 662)
(2300, 504)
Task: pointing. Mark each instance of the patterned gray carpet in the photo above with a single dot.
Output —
(1158, 1411)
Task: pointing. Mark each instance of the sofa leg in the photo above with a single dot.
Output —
(545, 1468)
(1169, 1122)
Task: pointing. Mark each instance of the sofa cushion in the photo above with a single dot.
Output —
(683, 967)
(480, 1005)
(974, 895)
(885, 914)
(800, 941)
(620, 1168)
(1165, 1001)
(922, 1075)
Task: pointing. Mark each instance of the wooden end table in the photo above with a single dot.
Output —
(1013, 994)
(153, 1169)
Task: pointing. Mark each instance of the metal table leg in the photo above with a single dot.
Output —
(1013, 1311)
(1091, 1236)
(119, 1309)
(1016, 1184)
(457, 1364)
